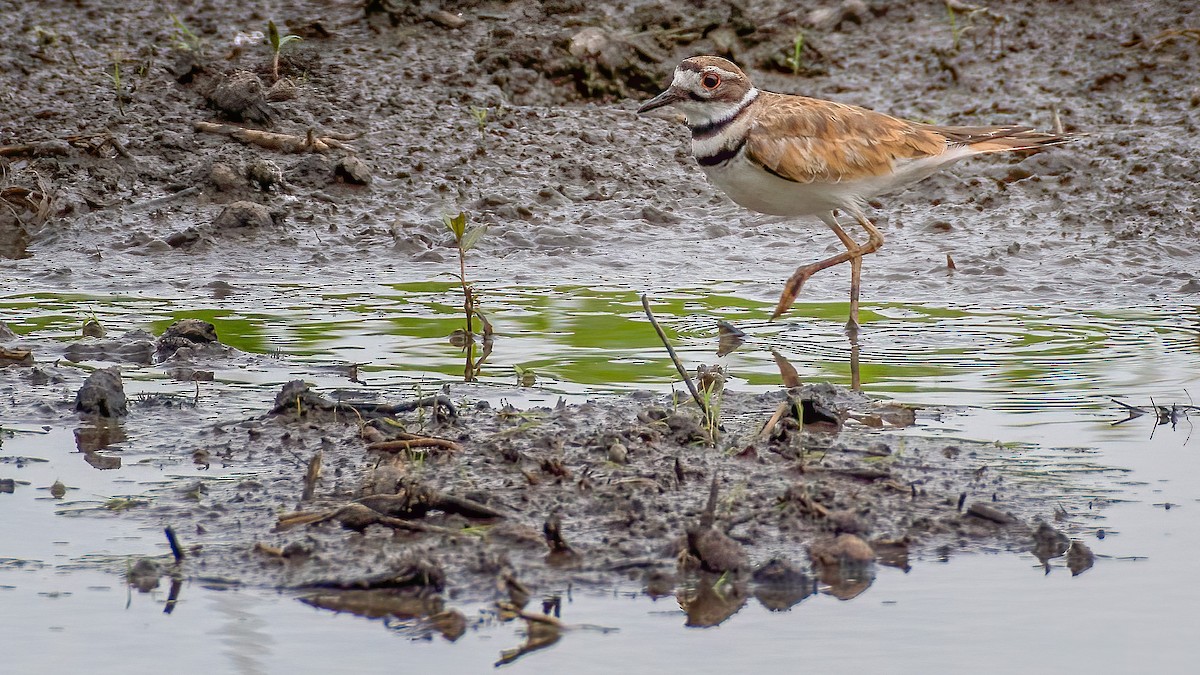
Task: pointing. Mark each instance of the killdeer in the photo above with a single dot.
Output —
(790, 155)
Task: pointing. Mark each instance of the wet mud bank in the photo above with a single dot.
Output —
(405, 507)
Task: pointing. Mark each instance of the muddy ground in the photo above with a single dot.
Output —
(521, 114)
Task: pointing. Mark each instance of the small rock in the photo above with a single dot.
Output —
(988, 512)
(716, 551)
(1049, 543)
(240, 95)
(144, 575)
(102, 394)
(192, 330)
(224, 178)
(779, 585)
(283, 90)
(265, 174)
(353, 170)
(188, 236)
(1080, 558)
(618, 453)
(831, 18)
(447, 20)
(246, 214)
(845, 550)
(657, 216)
(49, 148)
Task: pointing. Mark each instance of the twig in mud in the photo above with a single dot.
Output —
(276, 141)
(1158, 41)
(176, 550)
(779, 413)
(687, 379)
(312, 475)
(356, 517)
(413, 441)
(439, 401)
(160, 201)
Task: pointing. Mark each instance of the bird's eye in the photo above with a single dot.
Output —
(710, 81)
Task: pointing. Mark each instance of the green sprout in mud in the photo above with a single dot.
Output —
(115, 78)
(526, 377)
(277, 42)
(481, 119)
(711, 395)
(955, 33)
(465, 239)
(91, 324)
(796, 60)
(184, 40)
(959, 28)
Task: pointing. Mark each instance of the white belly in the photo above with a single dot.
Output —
(758, 190)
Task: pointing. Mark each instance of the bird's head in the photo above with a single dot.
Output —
(704, 88)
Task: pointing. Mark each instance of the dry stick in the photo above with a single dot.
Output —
(174, 543)
(687, 379)
(159, 201)
(779, 413)
(416, 442)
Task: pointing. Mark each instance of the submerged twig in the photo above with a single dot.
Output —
(687, 379)
(173, 541)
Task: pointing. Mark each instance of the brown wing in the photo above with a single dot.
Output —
(807, 140)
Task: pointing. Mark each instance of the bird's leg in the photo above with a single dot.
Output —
(874, 241)
(855, 287)
(855, 273)
(853, 252)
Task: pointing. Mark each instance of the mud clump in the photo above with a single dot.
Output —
(246, 215)
(102, 394)
(240, 95)
(185, 337)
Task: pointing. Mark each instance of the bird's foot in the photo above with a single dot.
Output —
(791, 290)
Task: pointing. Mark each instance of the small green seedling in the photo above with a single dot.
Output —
(481, 119)
(465, 239)
(796, 60)
(115, 78)
(184, 39)
(526, 377)
(277, 41)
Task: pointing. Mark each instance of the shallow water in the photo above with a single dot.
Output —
(1037, 379)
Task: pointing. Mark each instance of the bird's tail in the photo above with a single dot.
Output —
(1000, 138)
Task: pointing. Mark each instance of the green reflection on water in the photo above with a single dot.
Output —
(593, 337)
